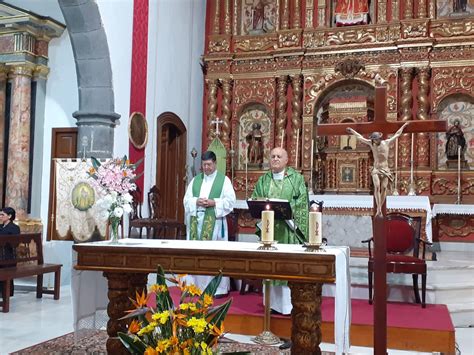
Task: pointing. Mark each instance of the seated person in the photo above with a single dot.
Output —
(7, 216)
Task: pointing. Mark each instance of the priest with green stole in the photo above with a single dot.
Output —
(286, 183)
(209, 198)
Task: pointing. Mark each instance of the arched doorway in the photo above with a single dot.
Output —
(171, 165)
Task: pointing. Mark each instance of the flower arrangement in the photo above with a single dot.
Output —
(116, 177)
(193, 327)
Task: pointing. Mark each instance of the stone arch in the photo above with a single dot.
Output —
(96, 117)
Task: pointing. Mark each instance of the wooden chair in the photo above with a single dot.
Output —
(135, 217)
(403, 252)
(170, 230)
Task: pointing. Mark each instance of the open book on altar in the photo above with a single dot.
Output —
(281, 207)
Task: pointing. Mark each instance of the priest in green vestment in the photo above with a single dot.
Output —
(283, 182)
(209, 198)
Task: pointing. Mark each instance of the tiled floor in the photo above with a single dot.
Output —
(32, 321)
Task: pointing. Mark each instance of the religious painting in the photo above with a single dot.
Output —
(259, 16)
(458, 112)
(454, 8)
(351, 12)
(347, 174)
(254, 138)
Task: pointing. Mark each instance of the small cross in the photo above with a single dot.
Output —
(217, 121)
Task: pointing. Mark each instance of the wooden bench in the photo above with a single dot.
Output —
(22, 256)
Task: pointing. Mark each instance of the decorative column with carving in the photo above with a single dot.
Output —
(212, 85)
(18, 170)
(3, 85)
(226, 110)
(296, 110)
(227, 19)
(421, 9)
(321, 13)
(406, 103)
(395, 10)
(297, 14)
(423, 142)
(408, 13)
(432, 9)
(280, 126)
(285, 14)
(308, 22)
(382, 11)
(217, 18)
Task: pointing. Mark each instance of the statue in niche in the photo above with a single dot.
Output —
(454, 139)
(351, 12)
(255, 145)
(459, 5)
(260, 23)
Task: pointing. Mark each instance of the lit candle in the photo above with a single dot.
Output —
(315, 227)
(268, 218)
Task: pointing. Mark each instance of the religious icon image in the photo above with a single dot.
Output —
(82, 196)
(382, 177)
(459, 5)
(454, 139)
(351, 12)
(255, 145)
(347, 174)
(259, 16)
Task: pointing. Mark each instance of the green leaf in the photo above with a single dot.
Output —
(218, 313)
(137, 163)
(212, 286)
(136, 313)
(133, 346)
(95, 163)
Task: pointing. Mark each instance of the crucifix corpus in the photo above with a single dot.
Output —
(217, 121)
(377, 129)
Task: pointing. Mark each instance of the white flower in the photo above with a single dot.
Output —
(127, 208)
(118, 212)
(104, 215)
(107, 200)
(114, 194)
(127, 198)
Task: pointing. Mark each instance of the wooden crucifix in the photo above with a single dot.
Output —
(380, 124)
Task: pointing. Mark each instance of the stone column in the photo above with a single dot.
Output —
(226, 110)
(217, 18)
(406, 103)
(18, 173)
(408, 13)
(282, 105)
(422, 139)
(297, 14)
(285, 14)
(3, 85)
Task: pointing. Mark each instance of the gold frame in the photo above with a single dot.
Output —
(138, 142)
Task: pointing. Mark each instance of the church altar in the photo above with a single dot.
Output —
(356, 223)
(126, 265)
(453, 222)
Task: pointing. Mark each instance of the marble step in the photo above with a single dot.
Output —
(462, 314)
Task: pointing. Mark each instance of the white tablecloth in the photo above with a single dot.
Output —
(452, 209)
(400, 203)
(89, 288)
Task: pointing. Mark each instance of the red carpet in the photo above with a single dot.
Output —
(399, 315)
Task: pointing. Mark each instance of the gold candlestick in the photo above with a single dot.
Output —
(458, 200)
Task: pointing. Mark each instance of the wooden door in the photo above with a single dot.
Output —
(63, 146)
(171, 165)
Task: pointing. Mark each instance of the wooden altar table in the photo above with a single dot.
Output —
(126, 266)
(453, 222)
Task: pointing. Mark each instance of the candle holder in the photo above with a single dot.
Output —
(267, 245)
(266, 338)
(412, 191)
(313, 247)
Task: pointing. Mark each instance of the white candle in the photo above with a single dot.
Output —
(311, 173)
(459, 174)
(268, 218)
(315, 227)
(411, 157)
(282, 137)
(297, 147)
(246, 174)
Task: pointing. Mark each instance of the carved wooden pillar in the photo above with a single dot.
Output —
(280, 126)
(406, 103)
(306, 318)
(382, 11)
(297, 14)
(421, 9)
(432, 9)
(217, 18)
(211, 107)
(321, 13)
(308, 22)
(395, 10)
(285, 14)
(122, 287)
(3, 85)
(226, 109)
(227, 19)
(408, 13)
(423, 142)
(296, 110)
(18, 172)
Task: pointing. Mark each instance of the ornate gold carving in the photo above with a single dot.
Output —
(382, 11)
(451, 80)
(313, 39)
(285, 15)
(395, 10)
(421, 8)
(296, 108)
(280, 124)
(423, 87)
(464, 27)
(219, 44)
(21, 70)
(227, 26)
(226, 109)
(289, 39)
(408, 13)
(422, 184)
(211, 107)
(406, 101)
(309, 14)
(414, 29)
(260, 43)
(217, 17)
(296, 14)
(365, 35)
(445, 186)
(262, 90)
(431, 9)
(455, 226)
(349, 68)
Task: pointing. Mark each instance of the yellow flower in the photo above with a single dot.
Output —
(193, 290)
(150, 351)
(148, 329)
(185, 306)
(198, 324)
(208, 300)
(162, 346)
(92, 171)
(158, 288)
(161, 317)
(140, 300)
(134, 326)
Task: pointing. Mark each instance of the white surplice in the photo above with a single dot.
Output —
(224, 205)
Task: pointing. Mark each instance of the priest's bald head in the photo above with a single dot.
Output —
(278, 160)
